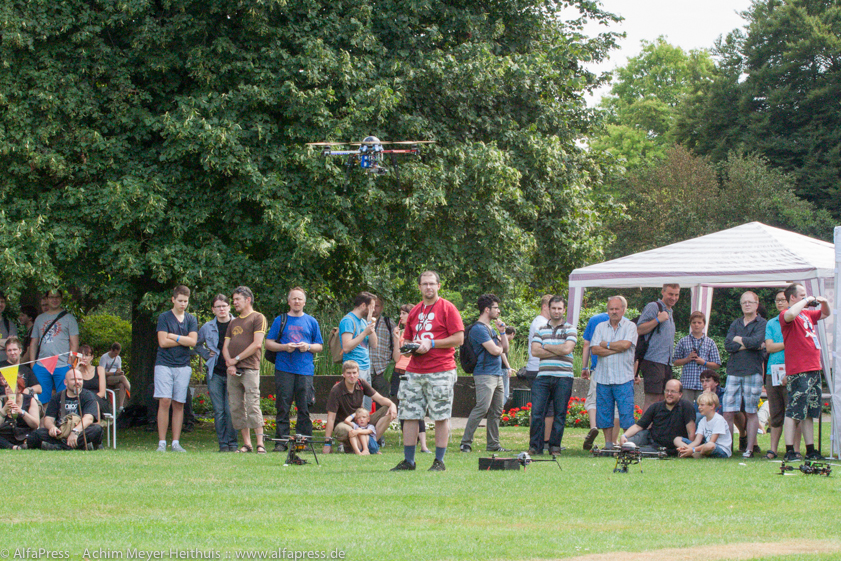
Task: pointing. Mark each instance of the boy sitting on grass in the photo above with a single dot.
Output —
(713, 438)
(363, 436)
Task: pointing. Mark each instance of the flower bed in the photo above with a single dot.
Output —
(576, 415)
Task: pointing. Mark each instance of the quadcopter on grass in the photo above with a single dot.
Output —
(371, 154)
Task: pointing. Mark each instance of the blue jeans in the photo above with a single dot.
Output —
(719, 451)
(49, 382)
(292, 386)
(543, 390)
(217, 387)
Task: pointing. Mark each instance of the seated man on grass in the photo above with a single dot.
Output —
(343, 401)
(75, 401)
(713, 438)
(666, 423)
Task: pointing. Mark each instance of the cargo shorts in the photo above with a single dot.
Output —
(431, 392)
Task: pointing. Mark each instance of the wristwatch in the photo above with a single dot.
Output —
(76, 430)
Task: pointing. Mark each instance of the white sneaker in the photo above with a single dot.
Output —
(176, 447)
(161, 447)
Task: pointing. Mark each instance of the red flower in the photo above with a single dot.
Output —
(577, 421)
(528, 404)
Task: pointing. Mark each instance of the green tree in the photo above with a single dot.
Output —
(776, 93)
(645, 98)
(146, 143)
(686, 196)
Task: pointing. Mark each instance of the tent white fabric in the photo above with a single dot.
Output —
(750, 255)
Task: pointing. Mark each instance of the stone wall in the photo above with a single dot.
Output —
(463, 401)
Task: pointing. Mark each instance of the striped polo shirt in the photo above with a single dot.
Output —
(547, 336)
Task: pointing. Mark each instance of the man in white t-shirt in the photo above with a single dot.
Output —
(115, 378)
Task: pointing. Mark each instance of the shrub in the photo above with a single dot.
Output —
(101, 331)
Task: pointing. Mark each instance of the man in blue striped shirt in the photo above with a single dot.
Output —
(552, 344)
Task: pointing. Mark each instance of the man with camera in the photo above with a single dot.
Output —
(70, 421)
(488, 344)
(436, 325)
(357, 331)
(802, 366)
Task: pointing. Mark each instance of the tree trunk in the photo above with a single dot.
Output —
(144, 349)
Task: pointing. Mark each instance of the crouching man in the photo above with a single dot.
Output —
(345, 398)
(72, 401)
(666, 423)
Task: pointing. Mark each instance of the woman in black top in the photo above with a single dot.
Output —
(93, 378)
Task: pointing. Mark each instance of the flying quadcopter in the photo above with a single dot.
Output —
(370, 155)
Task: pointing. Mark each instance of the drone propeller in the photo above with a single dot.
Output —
(412, 142)
(326, 144)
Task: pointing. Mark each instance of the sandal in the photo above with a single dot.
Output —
(770, 455)
(261, 449)
(245, 449)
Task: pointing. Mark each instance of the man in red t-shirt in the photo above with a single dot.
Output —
(429, 379)
(803, 366)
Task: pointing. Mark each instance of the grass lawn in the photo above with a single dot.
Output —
(227, 504)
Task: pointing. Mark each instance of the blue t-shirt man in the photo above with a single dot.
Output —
(298, 329)
(588, 335)
(355, 325)
(486, 363)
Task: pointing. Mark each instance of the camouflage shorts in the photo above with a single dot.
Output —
(804, 396)
(421, 392)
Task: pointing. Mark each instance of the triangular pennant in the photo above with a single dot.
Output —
(49, 363)
(10, 373)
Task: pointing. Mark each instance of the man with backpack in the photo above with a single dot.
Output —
(484, 347)
(553, 345)
(296, 338)
(655, 351)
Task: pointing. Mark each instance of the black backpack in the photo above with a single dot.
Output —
(642, 342)
(271, 356)
(466, 355)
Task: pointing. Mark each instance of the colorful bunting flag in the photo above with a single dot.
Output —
(49, 363)
(10, 373)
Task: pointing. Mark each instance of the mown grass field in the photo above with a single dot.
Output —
(209, 504)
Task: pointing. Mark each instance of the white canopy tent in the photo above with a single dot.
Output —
(750, 255)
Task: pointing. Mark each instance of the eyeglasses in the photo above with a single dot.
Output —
(781, 301)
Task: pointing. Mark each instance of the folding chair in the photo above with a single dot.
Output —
(110, 420)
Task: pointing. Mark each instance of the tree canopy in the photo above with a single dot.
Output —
(776, 92)
(645, 100)
(146, 143)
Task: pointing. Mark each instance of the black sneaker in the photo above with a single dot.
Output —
(279, 447)
(591, 438)
(814, 457)
(49, 446)
(757, 451)
(381, 443)
(791, 456)
(743, 443)
(437, 465)
(404, 465)
(465, 448)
